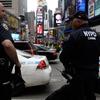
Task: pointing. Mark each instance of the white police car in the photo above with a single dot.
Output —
(35, 69)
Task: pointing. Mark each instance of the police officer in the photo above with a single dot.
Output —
(82, 51)
(7, 55)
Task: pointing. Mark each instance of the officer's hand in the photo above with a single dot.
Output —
(17, 69)
(18, 65)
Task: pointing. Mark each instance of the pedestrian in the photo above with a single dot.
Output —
(8, 56)
(82, 50)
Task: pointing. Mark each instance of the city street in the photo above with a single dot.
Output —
(40, 93)
(33, 32)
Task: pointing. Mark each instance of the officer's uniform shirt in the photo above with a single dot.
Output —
(4, 60)
(82, 49)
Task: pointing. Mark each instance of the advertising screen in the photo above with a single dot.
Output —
(57, 19)
(80, 5)
(39, 10)
(97, 7)
(91, 8)
(40, 29)
(15, 36)
(39, 19)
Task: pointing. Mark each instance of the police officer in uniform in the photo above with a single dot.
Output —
(7, 56)
(82, 51)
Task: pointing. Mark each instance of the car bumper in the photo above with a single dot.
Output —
(39, 77)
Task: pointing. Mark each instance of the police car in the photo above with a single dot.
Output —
(35, 69)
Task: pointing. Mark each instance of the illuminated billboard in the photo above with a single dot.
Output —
(93, 8)
(39, 29)
(97, 7)
(57, 19)
(39, 19)
(80, 5)
(39, 24)
(90, 8)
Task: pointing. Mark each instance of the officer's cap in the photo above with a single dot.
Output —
(80, 15)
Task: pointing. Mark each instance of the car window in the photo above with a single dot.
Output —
(44, 47)
(25, 54)
(22, 46)
(33, 47)
(41, 47)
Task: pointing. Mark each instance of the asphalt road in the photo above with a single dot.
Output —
(40, 93)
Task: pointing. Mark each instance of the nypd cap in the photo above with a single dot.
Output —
(80, 15)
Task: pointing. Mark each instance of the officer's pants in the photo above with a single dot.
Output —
(83, 86)
(62, 93)
(5, 91)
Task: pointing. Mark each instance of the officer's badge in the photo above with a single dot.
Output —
(5, 26)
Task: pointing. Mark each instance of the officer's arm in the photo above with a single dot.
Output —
(63, 55)
(67, 51)
(11, 51)
(99, 43)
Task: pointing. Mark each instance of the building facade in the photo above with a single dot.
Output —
(15, 7)
(30, 17)
(50, 22)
